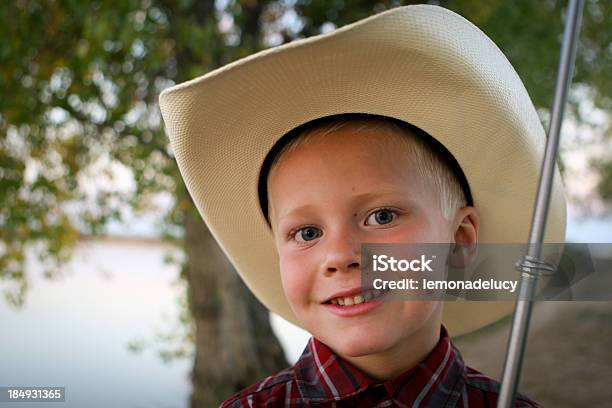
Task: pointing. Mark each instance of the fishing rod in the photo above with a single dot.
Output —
(531, 266)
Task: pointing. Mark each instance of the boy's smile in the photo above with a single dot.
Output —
(327, 197)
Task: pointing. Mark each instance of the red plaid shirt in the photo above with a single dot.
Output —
(322, 378)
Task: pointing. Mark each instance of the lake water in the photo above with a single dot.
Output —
(74, 331)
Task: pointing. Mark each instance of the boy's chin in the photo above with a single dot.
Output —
(360, 346)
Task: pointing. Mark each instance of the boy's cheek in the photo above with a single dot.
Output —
(297, 280)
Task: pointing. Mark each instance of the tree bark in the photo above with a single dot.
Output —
(234, 342)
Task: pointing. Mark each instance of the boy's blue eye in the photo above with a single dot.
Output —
(381, 217)
(307, 234)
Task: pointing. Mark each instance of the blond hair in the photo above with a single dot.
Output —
(430, 164)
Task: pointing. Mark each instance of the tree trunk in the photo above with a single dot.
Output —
(235, 345)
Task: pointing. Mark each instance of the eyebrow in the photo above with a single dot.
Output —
(298, 209)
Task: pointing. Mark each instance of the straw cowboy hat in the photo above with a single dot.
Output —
(421, 64)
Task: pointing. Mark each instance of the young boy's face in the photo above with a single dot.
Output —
(329, 196)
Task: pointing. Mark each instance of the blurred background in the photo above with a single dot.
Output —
(110, 284)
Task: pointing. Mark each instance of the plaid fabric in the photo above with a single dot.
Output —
(322, 378)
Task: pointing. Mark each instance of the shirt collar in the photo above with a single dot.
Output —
(321, 375)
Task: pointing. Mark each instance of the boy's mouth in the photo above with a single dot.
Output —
(350, 299)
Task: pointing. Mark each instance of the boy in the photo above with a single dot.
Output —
(291, 189)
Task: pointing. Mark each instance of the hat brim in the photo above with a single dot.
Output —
(421, 64)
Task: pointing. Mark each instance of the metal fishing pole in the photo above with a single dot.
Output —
(531, 266)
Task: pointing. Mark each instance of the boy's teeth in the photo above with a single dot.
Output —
(357, 299)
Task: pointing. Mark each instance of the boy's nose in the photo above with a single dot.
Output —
(343, 254)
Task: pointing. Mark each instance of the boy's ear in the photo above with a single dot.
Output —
(465, 236)
(465, 226)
